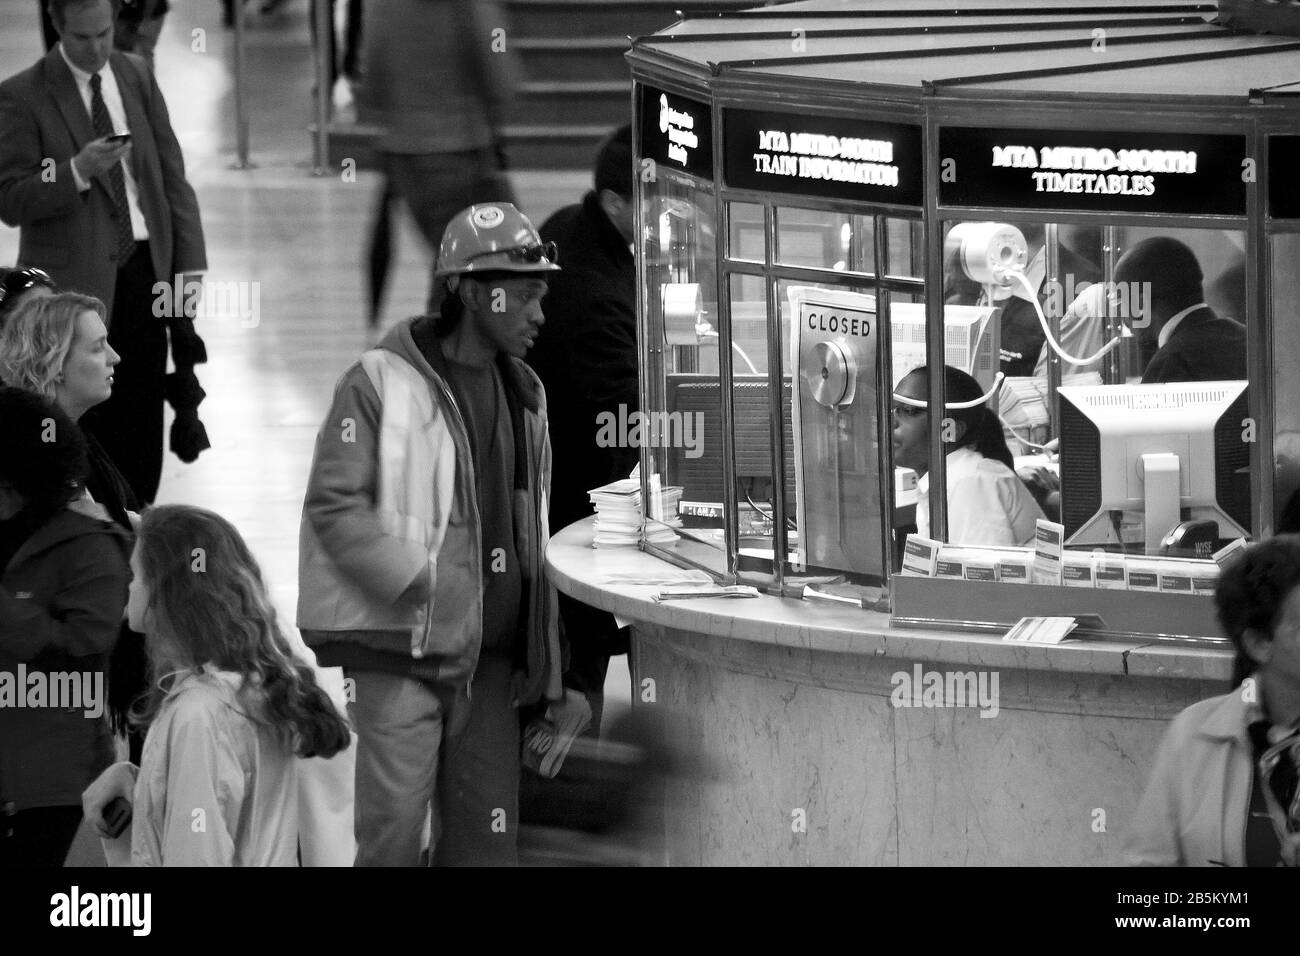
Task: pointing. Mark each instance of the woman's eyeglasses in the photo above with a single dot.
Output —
(908, 411)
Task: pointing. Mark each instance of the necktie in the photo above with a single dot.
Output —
(116, 179)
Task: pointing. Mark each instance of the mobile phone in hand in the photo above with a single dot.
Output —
(117, 816)
(117, 139)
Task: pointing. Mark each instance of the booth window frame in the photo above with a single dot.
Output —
(937, 109)
(966, 112)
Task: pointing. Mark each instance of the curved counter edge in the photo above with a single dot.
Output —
(582, 572)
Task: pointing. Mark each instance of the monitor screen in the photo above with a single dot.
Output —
(1115, 438)
(968, 342)
(701, 477)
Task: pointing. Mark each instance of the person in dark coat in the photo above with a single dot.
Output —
(1192, 343)
(57, 348)
(586, 356)
(63, 588)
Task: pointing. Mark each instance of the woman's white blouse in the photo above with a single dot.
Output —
(987, 503)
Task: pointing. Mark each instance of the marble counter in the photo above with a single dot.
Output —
(832, 738)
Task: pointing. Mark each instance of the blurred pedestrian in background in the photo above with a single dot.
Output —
(437, 75)
(139, 24)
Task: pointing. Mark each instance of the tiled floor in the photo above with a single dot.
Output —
(292, 240)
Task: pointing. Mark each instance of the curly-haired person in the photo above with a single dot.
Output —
(230, 710)
(1223, 788)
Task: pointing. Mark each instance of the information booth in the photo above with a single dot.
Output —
(830, 196)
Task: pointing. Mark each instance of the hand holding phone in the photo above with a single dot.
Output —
(106, 802)
(100, 155)
(117, 816)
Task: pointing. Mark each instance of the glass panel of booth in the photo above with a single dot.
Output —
(832, 500)
(748, 231)
(1144, 449)
(831, 457)
(1284, 254)
(681, 368)
(821, 239)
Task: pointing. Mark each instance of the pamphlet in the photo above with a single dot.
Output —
(1048, 538)
(951, 563)
(1228, 553)
(1040, 630)
(1015, 569)
(920, 555)
(1109, 571)
(1076, 569)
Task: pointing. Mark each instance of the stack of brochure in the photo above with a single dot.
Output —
(620, 517)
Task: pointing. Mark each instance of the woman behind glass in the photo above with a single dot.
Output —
(987, 503)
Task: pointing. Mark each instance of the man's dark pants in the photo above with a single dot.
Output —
(130, 424)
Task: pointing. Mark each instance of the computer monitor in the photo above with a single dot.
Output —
(968, 340)
(701, 477)
(1153, 450)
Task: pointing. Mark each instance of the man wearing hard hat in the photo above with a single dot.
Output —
(421, 551)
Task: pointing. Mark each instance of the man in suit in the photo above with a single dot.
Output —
(102, 216)
(1191, 342)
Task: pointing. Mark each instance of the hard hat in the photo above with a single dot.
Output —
(493, 236)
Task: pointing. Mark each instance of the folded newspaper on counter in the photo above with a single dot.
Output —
(620, 517)
(682, 592)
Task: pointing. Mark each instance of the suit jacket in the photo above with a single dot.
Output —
(1203, 348)
(70, 234)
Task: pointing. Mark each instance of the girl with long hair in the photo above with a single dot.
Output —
(229, 711)
(988, 504)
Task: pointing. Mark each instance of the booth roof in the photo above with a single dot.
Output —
(1048, 47)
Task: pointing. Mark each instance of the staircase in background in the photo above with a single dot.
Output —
(575, 84)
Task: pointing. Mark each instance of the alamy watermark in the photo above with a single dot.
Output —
(207, 299)
(937, 689)
(59, 690)
(652, 429)
(1129, 301)
(77, 909)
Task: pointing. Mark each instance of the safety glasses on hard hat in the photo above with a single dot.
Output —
(531, 254)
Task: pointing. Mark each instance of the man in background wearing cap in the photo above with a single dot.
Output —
(1191, 342)
(421, 551)
(586, 357)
